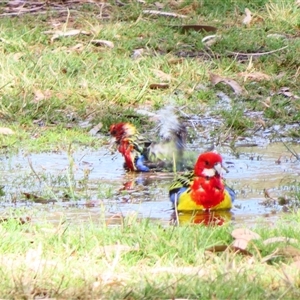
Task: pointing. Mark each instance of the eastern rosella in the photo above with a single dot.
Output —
(131, 146)
(203, 188)
(143, 155)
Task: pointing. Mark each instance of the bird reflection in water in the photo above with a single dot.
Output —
(207, 218)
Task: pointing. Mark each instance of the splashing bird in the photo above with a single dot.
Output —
(204, 188)
(131, 145)
(143, 155)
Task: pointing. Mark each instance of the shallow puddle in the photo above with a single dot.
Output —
(95, 186)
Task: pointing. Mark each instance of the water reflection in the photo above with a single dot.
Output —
(106, 189)
(207, 218)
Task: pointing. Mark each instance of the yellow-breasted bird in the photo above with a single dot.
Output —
(203, 188)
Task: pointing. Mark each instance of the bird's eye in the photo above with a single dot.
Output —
(206, 162)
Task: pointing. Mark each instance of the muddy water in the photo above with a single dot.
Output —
(95, 187)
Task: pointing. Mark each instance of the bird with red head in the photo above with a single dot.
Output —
(131, 145)
(203, 188)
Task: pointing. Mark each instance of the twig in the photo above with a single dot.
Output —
(295, 154)
(257, 54)
(163, 13)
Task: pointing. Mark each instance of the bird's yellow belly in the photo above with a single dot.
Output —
(186, 203)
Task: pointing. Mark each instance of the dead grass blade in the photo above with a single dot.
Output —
(257, 54)
(279, 239)
(163, 13)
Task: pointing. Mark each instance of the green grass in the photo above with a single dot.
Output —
(49, 87)
(93, 260)
(61, 84)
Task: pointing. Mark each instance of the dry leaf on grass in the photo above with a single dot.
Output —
(159, 5)
(41, 95)
(102, 43)
(137, 53)
(6, 131)
(218, 248)
(215, 79)
(231, 248)
(279, 239)
(254, 76)
(78, 47)
(162, 75)
(240, 243)
(244, 233)
(290, 251)
(285, 91)
(155, 86)
(248, 18)
(95, 129)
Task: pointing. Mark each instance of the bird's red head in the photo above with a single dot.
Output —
(208, 164)
(122, 130)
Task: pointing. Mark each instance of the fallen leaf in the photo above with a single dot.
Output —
(277, 36)
(279, 239)
(162, 75)
(155, 86)
(231, 248)
(248, 18)
(285, 91)
(254, 76)
(215, 79)
(137, 53)
(102, 43)
(6, 131)
(95, 129)
(267, 102)
(41, 95)
(239, 250)
(78, 47)
(17, 56)
(159, 5)
(240, 243)
(244, 233)
(218, 248)
(290, 251)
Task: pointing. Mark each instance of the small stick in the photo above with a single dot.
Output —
(257, 54)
